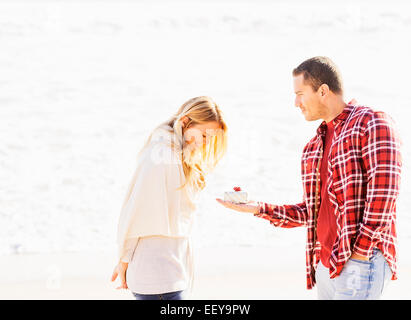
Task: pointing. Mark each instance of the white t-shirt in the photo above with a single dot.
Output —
(160, 264)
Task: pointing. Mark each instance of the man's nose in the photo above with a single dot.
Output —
(297, 102)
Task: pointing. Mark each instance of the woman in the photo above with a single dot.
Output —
(157, 213)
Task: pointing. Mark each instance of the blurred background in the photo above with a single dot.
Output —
(83, 83)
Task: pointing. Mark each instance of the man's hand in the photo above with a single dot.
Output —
(249, 207)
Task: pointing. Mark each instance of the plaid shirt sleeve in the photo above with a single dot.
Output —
(285, 216)
(382, 161)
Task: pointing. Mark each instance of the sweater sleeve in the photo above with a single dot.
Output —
(129, 247)
(150, 208)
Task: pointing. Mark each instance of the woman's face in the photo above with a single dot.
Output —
(198, 135)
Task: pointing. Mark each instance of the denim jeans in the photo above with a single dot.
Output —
(358, 280)
(177, 295)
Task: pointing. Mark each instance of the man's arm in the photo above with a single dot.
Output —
(382, 159)
(285, 216)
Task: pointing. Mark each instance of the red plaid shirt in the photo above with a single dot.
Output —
(363, 186)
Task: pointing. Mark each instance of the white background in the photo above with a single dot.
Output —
(83, 83)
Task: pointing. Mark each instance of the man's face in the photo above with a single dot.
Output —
(307, 99)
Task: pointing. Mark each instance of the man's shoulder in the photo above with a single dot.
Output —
(360, 116)
(364, 114)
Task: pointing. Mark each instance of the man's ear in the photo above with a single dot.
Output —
(323, 90)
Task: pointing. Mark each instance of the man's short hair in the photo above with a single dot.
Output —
(320, 70)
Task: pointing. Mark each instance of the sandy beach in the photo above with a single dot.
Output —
(223, 273)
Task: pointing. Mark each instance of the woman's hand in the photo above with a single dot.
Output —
(120, 270)
(249, 207)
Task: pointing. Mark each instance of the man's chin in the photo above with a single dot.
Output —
(309, 118)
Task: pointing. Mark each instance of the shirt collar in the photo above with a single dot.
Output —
(321, 130)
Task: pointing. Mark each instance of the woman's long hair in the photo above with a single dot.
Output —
(196, 162)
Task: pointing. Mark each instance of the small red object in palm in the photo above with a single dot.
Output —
(237, 189)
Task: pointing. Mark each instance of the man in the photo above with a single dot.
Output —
(351, 177)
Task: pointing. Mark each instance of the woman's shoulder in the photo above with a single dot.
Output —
(161, 150)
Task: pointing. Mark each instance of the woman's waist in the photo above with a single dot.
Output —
(163, 245)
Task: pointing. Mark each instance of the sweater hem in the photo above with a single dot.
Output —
(162, 288)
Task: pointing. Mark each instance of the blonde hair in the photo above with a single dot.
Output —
(196, 162)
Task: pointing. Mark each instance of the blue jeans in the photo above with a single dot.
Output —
(358, 280)
(177, 295)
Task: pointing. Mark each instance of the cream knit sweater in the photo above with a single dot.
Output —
(154, 212)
